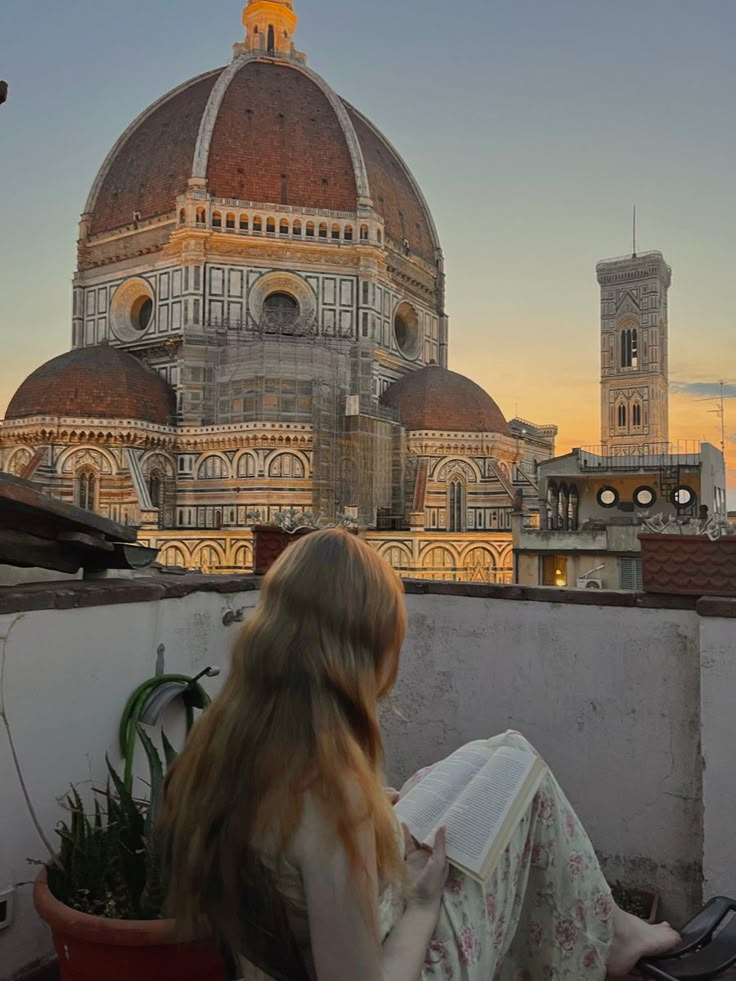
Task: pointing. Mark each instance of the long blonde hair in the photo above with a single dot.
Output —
(297, 714)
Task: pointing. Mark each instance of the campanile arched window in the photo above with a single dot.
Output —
(630, 348)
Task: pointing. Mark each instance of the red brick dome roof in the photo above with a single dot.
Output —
(98, 383)
(263, 131)
(434, 398)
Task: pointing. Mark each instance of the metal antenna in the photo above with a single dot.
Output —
(720, 410)
(633, 254)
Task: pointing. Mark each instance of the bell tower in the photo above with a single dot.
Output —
(269, 29)
(634, 356)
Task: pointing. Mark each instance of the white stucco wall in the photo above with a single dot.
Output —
(68, 674)
(611, 696)
(718, 704)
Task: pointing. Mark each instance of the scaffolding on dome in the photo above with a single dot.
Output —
(284, 372)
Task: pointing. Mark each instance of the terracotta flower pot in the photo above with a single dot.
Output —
(91, 948)
(269, 542)
(689, 564)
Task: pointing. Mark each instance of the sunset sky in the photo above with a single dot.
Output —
(533, 126)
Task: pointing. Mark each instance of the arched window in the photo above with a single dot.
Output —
(211, 468)
(456, 506)
(622, 416)
(286, 465)
(630, 348)
(562, 508)
(636, 416)
(335, 231)
(552, 506)
(247, 466)
(363, 233)
(217, 219)
(257, 224)
(271, 226)
(155, 488)
(380, 236)
(86, 490)
(573, 507)
(201, 216)
(323, 230)
(271, 39)
(348, 233)
(230, 220)
(310, 229)
(283, 227)
(297, 230)
(243, 223)
(182, 217)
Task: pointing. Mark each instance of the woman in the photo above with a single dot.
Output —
(281, 841)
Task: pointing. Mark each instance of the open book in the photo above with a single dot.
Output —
(479, 794)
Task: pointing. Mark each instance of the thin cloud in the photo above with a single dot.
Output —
(702, 390)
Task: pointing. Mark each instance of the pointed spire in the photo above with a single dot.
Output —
(269, 30)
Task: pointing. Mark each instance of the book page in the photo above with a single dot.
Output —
(476, 816)
(425, 805)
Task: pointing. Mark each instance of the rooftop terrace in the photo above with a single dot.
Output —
(628, 697)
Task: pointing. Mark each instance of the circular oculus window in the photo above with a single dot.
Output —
(406, 331)
(645, 497)
(132, 309)
(141, 313)
(607, 497)
(683, 496)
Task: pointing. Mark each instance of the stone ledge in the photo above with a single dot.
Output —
(551, 594)
(717, 606)
(69, 594)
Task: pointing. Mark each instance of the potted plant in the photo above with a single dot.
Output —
(103, 895)
(269, 541)
(696, 557)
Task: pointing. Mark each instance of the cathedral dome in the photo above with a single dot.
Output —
(267, 130)
(435, 399)
(98, 383)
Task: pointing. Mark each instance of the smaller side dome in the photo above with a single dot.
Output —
(435, 399)
(99, 382)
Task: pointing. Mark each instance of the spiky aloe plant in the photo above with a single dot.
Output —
(108, 862)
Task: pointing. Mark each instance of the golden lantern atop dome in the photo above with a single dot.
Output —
(269, 30)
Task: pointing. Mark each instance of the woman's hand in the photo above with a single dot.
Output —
(393, 795)
(427, 870)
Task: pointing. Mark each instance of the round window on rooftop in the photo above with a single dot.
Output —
(645, 497)
(608, 497)
(683, 497)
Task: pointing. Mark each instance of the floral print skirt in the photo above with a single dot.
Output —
(545, 915)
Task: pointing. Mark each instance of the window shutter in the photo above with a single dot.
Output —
(631, 575)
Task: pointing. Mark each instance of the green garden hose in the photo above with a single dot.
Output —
(148, 702)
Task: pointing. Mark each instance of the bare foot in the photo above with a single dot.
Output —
(634, 938)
